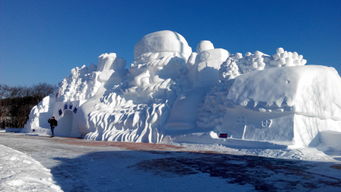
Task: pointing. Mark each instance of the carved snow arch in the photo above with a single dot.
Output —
(66, 126)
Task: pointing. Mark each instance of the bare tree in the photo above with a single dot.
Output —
(16, 102)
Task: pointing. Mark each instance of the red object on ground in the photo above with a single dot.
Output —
(223, 135)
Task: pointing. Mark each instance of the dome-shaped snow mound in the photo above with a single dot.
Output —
(204, 46)
(163, 41)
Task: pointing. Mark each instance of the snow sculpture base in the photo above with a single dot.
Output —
(287, 104)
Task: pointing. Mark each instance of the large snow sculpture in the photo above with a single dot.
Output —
(171, 91)
(137, 110)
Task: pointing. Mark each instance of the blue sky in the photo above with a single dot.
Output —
(41, 40)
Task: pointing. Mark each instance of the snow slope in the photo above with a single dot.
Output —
(21, 173)
(170, 92)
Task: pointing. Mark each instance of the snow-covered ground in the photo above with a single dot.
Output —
(80, 165)
(19, 172)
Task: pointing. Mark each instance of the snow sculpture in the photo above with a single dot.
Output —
(134, 109)
(287, 104)
(170, 91)
(204, 46)
(238, 64)
(284, 58)
(205, 64)
(163, 42)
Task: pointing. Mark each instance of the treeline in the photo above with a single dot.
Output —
(39, 90)
(17, 102)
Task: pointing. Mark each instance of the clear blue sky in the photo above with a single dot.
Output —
(41, 40)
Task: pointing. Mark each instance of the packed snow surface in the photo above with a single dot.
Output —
(81, 165)
(172, 94)
(21, 173)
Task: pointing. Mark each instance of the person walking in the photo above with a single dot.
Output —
(53, 123)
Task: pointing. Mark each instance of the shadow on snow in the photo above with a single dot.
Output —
(141, 170)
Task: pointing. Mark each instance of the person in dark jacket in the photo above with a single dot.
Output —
(53, 123)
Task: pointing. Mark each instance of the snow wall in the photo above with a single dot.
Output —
(171, 91)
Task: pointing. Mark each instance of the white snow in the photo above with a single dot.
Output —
(170, 92)
(329, 142)
(206, 67)
(204, 46)
(163, 42)
(289, 104)
(21, 173)
(78, 165)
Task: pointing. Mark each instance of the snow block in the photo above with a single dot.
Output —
(288, 104)
(207, 65)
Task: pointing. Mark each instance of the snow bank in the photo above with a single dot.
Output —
(170, 91)
(21, 173)
(331, 139)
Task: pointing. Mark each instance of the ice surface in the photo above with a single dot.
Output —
(170, 92)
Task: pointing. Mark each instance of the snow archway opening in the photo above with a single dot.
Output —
(65, 124)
